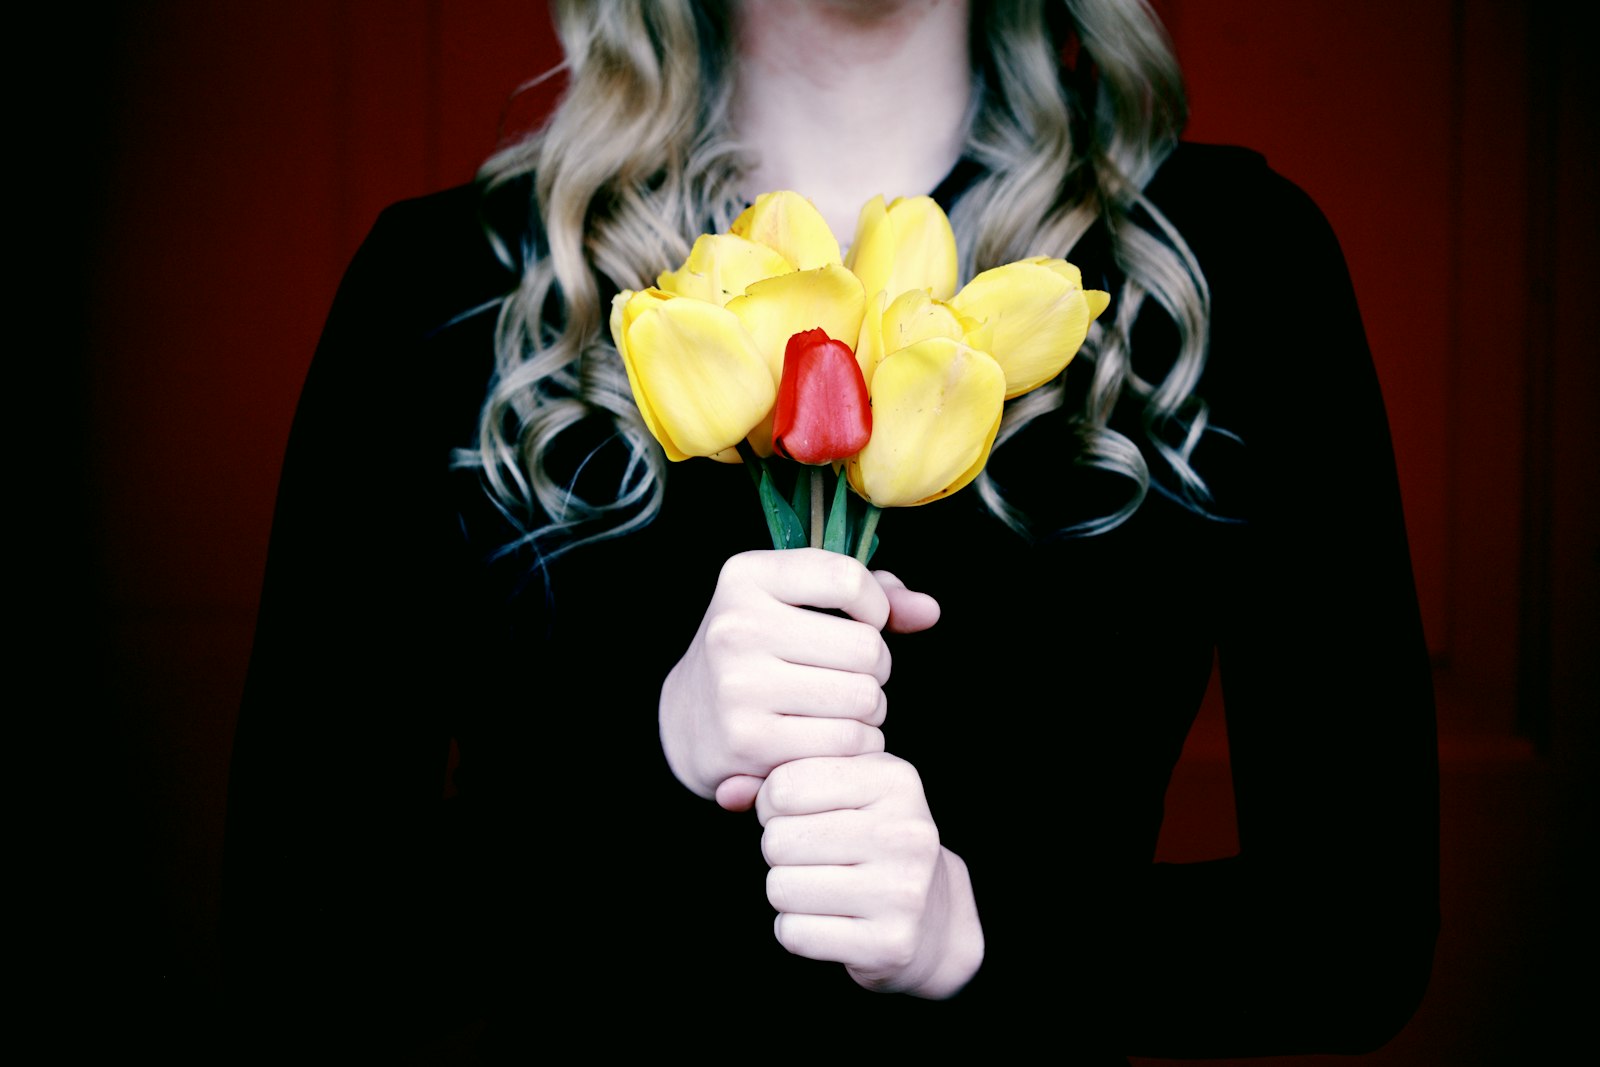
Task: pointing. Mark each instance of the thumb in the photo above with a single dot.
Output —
(739, 792)
(909, 611)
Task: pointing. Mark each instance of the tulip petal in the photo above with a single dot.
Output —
(1030, 317)
(720, 267)
(1098, 300)
(823, 414)
(828, 298)
(1072, 274)
(760, 438)
(871, 255)
(638, 303)
(915, 316)
(869, 345)
(620, 320)
(702, 377)
(790, 225)
(907, 245)
(935, 411)
(925, 247)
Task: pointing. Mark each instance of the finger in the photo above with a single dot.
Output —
(808, 786)
(811, 639)
(759, 745)
(800, 636)
(826, 890)
(909, 611)
(827, 694)
(810, 577)
(788, 738)
(870, 946)
(829, 837)
(821, 937)
(738, 793)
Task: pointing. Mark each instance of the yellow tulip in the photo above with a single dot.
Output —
(940, 365)
(693, 345)
(773, 310)
(905, 245)
(935, 411)
(1031, 316)
(722, 266)
(704, 349)
(889, 326)
(698, 379)
(790, 225)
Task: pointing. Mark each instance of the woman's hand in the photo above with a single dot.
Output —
(859, 877)
(766, 680)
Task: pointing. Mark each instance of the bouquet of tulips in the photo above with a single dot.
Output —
(766, 341)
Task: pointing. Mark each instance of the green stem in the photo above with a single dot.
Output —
(817, 519)
(869, 526)
(752, 462)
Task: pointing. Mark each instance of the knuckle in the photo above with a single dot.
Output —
(920, 837)
(783, 930)
(777, 893)
(867, 649)
(770, 848)
(779, 787)
(867, 702)
(848, 577)
(738, 569)
(885, 664)
(913, 839)
(855, 586)
(727, 631)
(855, 738)
(896, 949)
(902, 775)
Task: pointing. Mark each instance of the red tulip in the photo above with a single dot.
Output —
(823, 413)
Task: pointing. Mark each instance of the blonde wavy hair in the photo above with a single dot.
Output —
(1060, 150)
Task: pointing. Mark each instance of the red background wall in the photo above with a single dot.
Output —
(227, 160)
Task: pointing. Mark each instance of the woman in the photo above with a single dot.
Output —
(1213, 477)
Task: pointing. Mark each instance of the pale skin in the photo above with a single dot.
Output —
(884, 87)
(774, 705)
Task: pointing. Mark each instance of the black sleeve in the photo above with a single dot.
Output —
(1318, 936)
(342, 863)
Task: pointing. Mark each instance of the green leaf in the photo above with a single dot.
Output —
(836, 537)
(782, 522)
(867, 536)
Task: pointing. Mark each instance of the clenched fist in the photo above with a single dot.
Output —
(766, 680)
(859, 876)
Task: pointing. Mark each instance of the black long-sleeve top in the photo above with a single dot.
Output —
(1044, 712)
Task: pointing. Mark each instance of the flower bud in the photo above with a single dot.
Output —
(823, 414)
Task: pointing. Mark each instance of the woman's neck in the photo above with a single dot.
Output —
(843, 100)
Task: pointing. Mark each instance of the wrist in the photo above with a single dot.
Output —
(958, 952)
